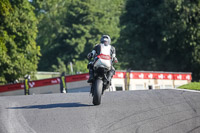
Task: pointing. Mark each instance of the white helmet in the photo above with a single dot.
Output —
(105, 38)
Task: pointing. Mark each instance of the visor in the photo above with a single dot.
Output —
(105, 39)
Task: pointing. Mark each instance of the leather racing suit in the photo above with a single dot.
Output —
(106, 52)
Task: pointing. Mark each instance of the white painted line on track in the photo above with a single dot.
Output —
(14, 121)
(185, 90)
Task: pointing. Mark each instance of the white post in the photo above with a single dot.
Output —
(71, 67)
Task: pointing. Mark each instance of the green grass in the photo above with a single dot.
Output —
(191, 86)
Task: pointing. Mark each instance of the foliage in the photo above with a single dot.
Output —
(69, 29)
(148, 35)
(18, 30)
(61, 66)
(191, 86)
(80, 66)
(161, 35)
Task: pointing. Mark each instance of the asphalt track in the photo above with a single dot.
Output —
(152, 111)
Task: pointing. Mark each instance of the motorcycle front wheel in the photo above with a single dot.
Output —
(97, 92)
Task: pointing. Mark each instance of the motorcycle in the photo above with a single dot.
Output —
(99, 84)
(102, 74)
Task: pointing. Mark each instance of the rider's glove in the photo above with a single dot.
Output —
(89, 56)
(115, 59)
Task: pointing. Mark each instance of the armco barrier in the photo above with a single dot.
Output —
(85, 76)
(12, 87)
(43, 82)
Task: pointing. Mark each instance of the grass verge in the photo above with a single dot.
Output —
(191, 86)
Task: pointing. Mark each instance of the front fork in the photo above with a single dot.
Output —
(106, 81)
(93, 84)
(92, 89)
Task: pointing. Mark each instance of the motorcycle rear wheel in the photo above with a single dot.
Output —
(97, 92)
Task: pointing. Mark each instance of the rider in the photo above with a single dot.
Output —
(100, 49)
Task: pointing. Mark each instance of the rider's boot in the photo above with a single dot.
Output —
(110, 75)
(91, 76)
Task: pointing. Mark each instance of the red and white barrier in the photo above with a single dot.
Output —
(155, 75)
(81, 77)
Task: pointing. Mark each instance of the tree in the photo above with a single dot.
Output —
(71, 31)
(61, 66)
(183, 30)
(19, 52)
(161, 34)
(50, 14)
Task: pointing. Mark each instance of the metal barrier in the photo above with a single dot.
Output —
(130, 80)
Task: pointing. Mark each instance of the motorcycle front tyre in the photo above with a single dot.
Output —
(97, 92)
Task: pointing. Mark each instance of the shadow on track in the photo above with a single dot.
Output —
(56, 105)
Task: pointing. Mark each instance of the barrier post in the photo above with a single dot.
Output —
(127, 79)
(63, 87)
(26, 84)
